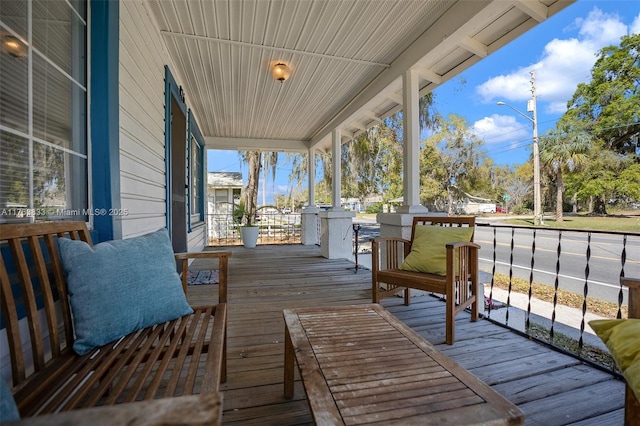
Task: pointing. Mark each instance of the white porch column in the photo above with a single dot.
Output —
(336, 237)
(336, 224)
(311, 168)
(310, 226)
(309, 219)
(336, 159)
(399, 224)
(411, 136)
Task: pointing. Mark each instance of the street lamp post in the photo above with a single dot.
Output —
(531, 107)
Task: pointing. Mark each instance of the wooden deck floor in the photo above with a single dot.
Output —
(551, 388)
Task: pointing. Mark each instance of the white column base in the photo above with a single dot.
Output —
(398, 225)
(309, 221)
(336, 239)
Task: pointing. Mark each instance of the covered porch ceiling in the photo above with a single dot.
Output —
(347, 59)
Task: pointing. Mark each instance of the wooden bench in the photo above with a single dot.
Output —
(461, 261)
(631, 403)
(184, 356)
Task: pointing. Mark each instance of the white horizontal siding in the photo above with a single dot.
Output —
(143, 55)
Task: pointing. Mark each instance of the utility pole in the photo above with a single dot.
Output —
(531, 107)
(537, 200)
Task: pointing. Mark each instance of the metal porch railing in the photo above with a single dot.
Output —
(548, 283)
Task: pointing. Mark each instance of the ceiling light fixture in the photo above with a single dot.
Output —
(280, 72)
(13, 46)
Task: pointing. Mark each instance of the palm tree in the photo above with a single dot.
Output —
(564, 148)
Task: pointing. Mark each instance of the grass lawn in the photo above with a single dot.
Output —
(623, 221)
(628, 221)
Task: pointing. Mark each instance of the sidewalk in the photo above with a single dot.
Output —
(567, 320)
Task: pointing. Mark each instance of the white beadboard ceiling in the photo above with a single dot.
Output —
(347, 59)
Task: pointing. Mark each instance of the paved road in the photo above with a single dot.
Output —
(605, 256)
(604, 262)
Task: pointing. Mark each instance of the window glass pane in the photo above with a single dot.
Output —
(196, 170)
(59, 182)
(14, 92)
(42, 178)
(58, 33)
(14, 176)
(55, 100)
(13, 14)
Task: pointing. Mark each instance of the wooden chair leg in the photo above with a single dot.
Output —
(474, 305)
(407, 296)
(450, 316)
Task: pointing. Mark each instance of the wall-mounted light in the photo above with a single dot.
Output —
(13, 46)
(280, 72)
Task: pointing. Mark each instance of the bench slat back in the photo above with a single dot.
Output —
(32, 252)
(454, 221)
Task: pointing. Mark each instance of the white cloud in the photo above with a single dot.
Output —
(500, 129)
(635, 26)
(563, 65)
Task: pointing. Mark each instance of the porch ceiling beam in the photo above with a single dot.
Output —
(429, 75)
(395, 98)
(474, 46)
(273, 48)
(430, 87)
(254, 144)
(459, 15)
(373, 116)
(533, 8)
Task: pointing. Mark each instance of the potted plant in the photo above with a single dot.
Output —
(248, 230)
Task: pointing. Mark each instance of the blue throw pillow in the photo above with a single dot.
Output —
(120, 286)
(8, 408)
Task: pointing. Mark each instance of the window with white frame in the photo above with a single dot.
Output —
(43, 110)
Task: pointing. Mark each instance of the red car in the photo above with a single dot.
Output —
(501, 209)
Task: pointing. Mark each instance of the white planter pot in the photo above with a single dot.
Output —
(250, 236)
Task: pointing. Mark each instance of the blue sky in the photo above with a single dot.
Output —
(561, 51)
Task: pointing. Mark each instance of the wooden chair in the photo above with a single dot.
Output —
(462, 261)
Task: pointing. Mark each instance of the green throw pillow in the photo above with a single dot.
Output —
(622, 337)
(120, 286)
(429, 252)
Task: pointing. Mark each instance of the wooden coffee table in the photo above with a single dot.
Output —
(360, 364)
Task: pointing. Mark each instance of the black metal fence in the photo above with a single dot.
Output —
(548, 283)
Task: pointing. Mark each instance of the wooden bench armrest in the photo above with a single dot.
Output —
(223, 262)
(203, 255)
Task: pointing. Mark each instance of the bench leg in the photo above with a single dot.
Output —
(288, 364)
